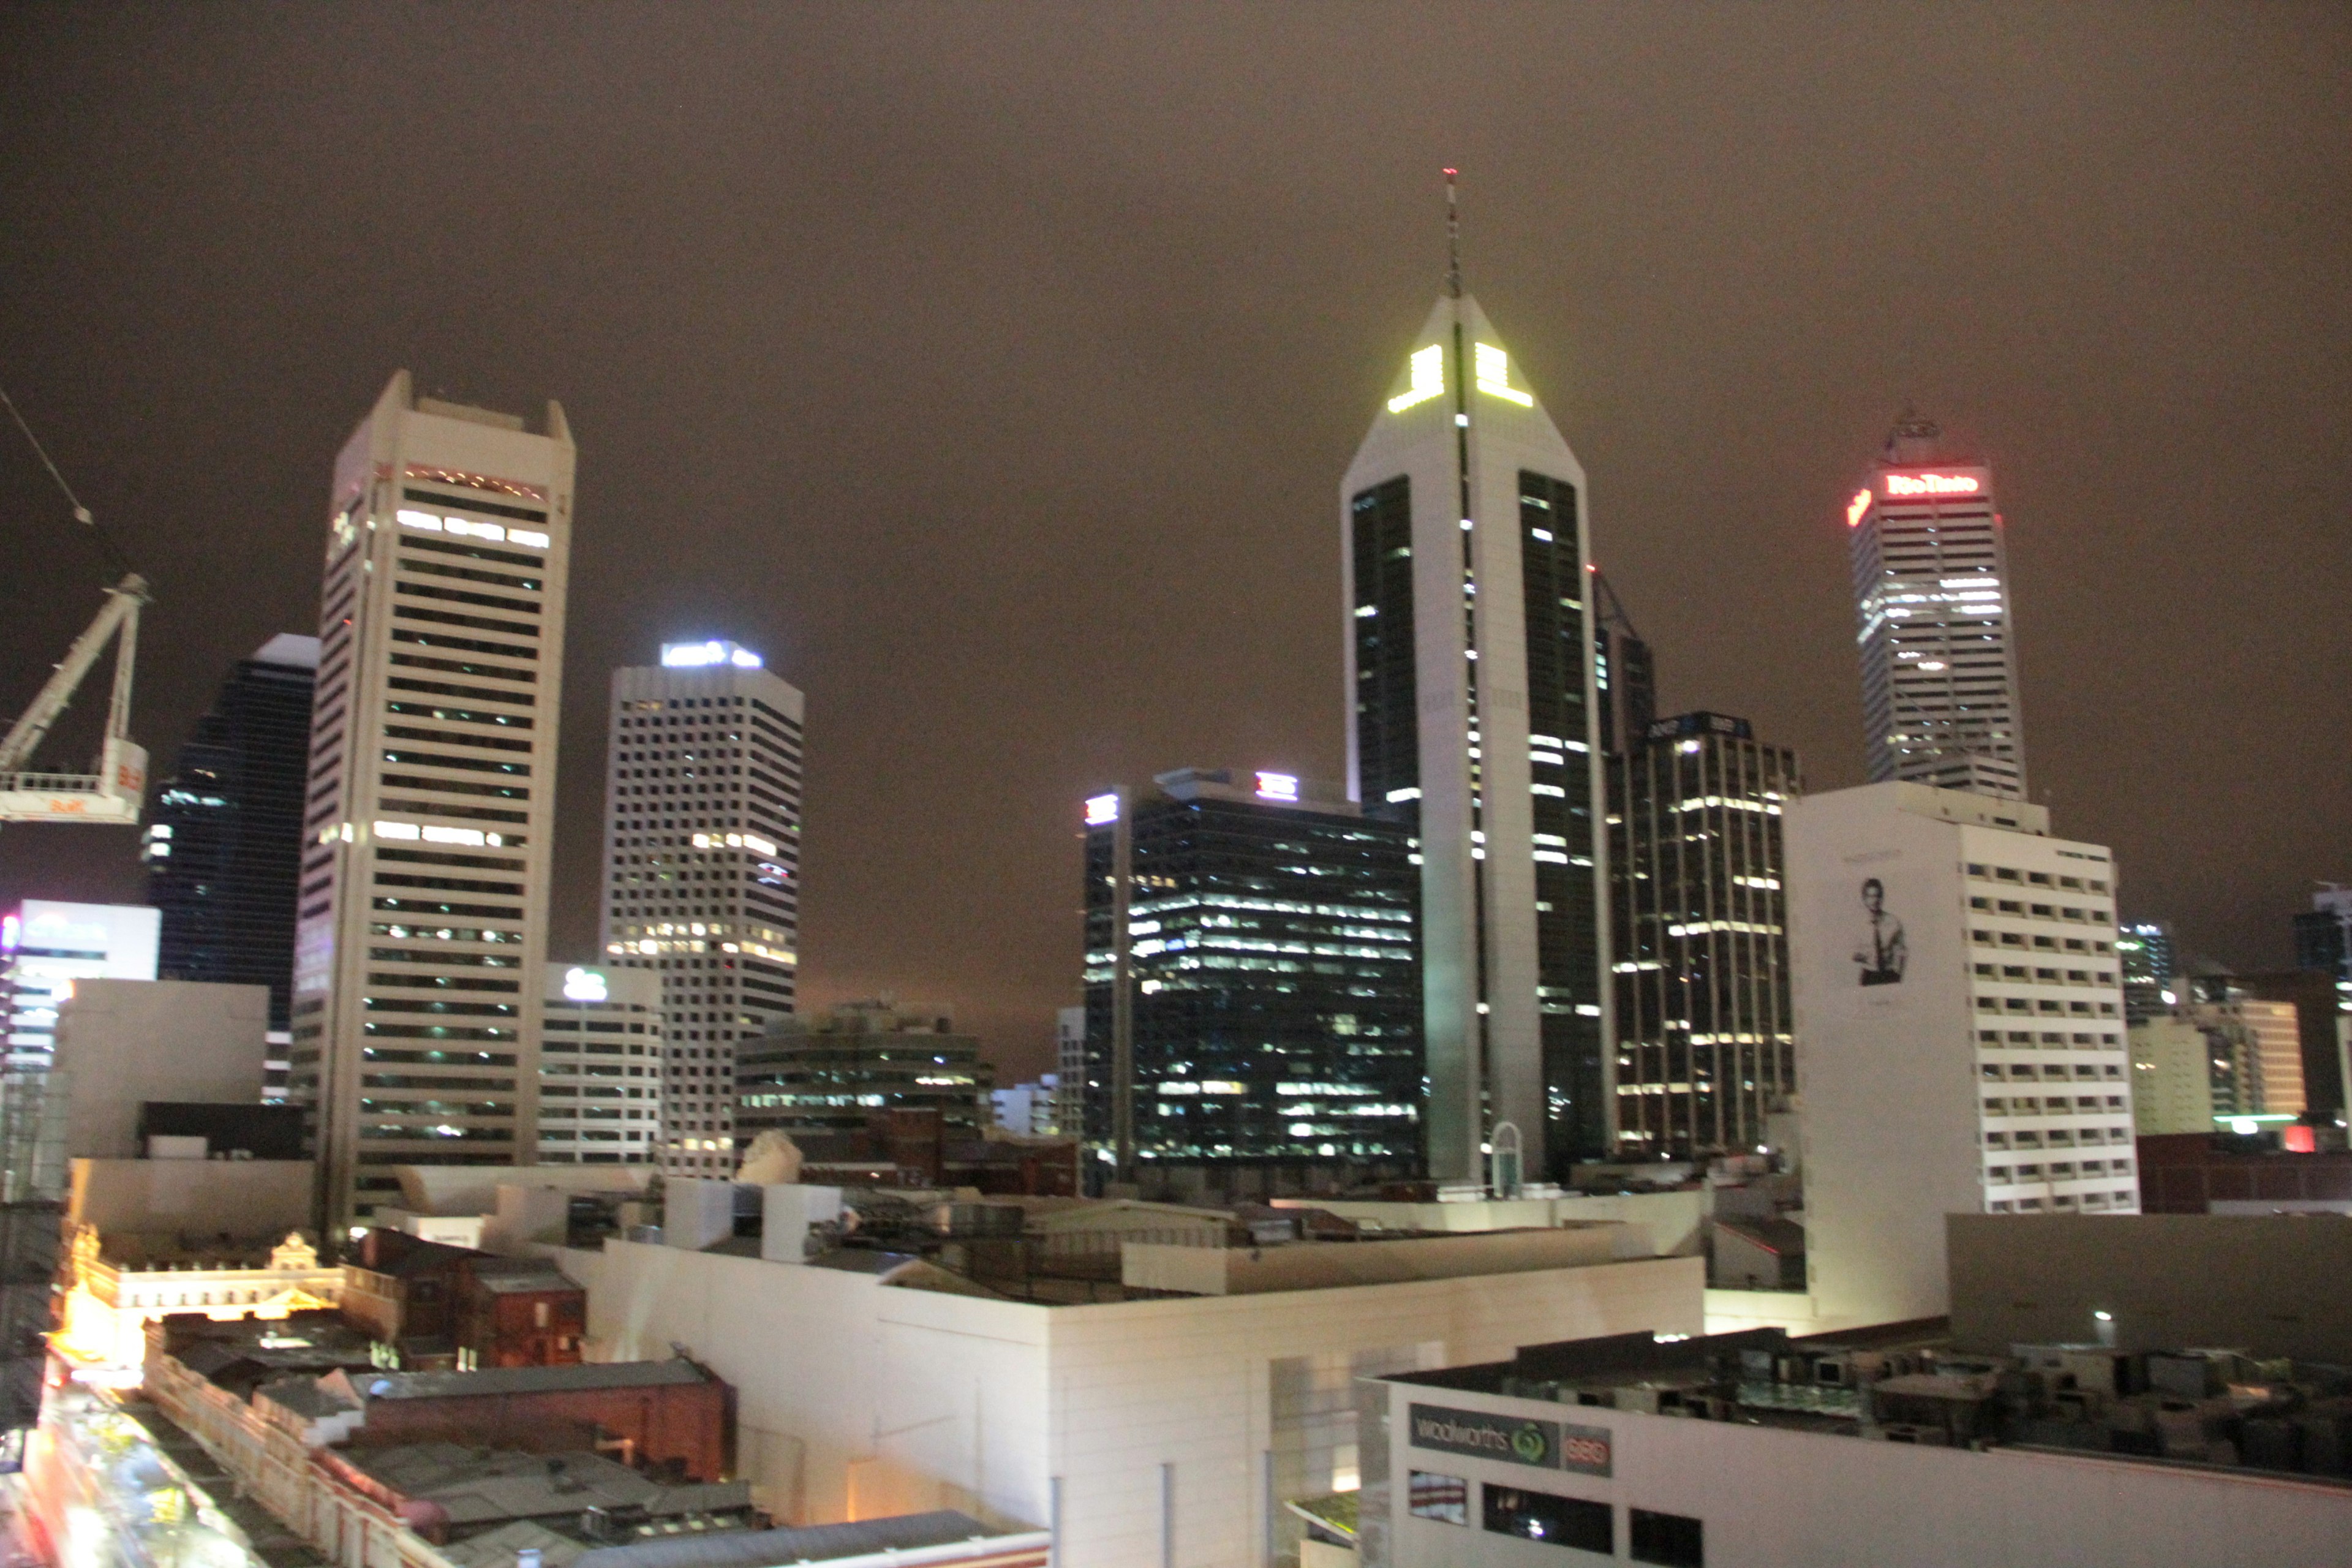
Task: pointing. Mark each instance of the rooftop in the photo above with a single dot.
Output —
(529, 1379)
(809, 1543)
(486, 1485)
(1903, 1382)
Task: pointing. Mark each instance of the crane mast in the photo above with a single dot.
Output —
(114, 793)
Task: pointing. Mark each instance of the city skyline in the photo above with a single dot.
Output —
(1726, 546)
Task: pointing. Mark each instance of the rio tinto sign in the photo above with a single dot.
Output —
(1932, 485)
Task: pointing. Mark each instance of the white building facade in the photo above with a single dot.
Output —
(702, 824)
(427, 831)
(1133, 1429)
(1470, 690)
(1961, 1044)
(601, 1060)
(1931, 591)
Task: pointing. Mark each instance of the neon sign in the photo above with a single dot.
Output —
(701, 654)
(1278, 786)
(1493, 368)
(1101, 808)
(1932, 485)
(1428, 370)
(583, 985)
(1856, 507)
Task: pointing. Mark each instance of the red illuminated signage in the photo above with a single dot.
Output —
(1856, 507)
(1932, 485)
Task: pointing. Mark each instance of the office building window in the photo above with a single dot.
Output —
(1559, 1521)
(1445, 1498)
(1671, 1540)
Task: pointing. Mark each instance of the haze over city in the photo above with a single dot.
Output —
(991, 372)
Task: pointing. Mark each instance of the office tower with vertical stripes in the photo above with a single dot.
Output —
(702, 833)
(1469, 650)
(1931, 591)
(431, 811)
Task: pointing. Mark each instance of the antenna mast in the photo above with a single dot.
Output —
(1452, 240)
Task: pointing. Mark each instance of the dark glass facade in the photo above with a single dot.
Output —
(1560, 732)
(1277, 989)
(224, 844)
(1388, 730)
(1704, 1039)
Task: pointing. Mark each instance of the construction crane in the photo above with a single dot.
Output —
(114, 793)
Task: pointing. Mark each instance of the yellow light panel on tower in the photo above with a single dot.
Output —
(1428, 379)
(1493, 368)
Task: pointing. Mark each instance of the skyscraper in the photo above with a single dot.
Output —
(1704, 1040)
(702, 831)
(1931, 589)
(224, 847)
(1471, 697)
(432, 807)
(1252, 995)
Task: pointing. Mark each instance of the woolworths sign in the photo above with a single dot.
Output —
(1519, 1440)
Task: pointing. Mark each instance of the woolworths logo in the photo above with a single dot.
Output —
(1492, 1436)
(1548, 1445)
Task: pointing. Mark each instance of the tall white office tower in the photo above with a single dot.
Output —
(431, 812)
(1931, 589)
(702, 834)
(1960, 1019)
(1470, 679)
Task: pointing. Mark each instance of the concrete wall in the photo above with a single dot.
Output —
(1243, 1270)
(855, 1399)
(248, 1198)
(1674, 1219)
(122, 1042)
(2271, 1284)
(1775, 1499)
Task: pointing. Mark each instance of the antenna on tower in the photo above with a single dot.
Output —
(1452, 240)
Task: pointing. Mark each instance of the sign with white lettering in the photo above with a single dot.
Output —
(1512, 1437)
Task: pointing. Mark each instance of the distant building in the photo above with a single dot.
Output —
(1070, 1069)
(702, 825)
(601, 1066)
(833, 1073)
(2151, 969)
(224, 841)
(1959, 1020)
(429, 840)
(1704, 1041)
(2323, 1016)
(2172, 1076)
(1253, 982)
(2256, 1051)
(2323, 938)
(46, 947)
(1931, 589)
(1029, 1108)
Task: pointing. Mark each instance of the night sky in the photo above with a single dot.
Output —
(992, 368)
